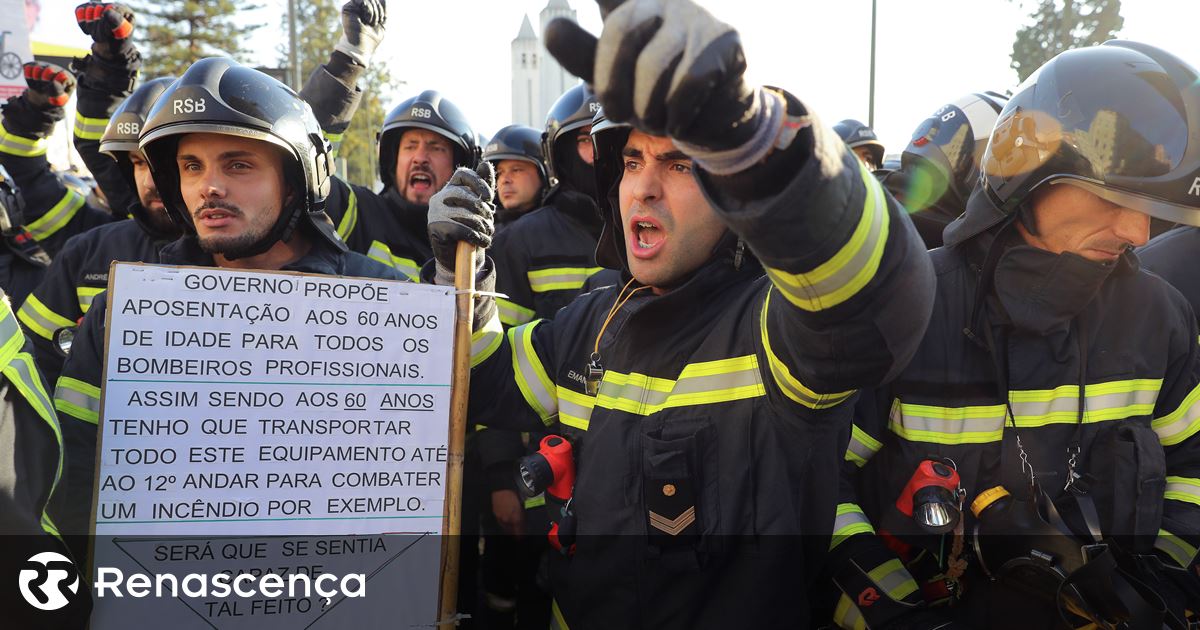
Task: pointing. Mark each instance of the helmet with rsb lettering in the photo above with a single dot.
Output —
(218, 95)
(428, 111)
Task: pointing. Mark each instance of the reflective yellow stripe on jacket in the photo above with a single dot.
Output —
(535, 383)
(560, 278)
(788, 384)
(852, 267)
(57, 216)
(383, 254)
(1182, 423)
(21, 146)
(1186, 489)
(38, 318)
(19, 369)
(89, 128)
(980, 424)
(513, 314)
(85, 295)
(703, 383)
(350, 220)
(1177, 548)
(485, 341)
(78, 399)
(850, 520)
(862, 447)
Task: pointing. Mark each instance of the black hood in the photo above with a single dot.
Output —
(413, 216)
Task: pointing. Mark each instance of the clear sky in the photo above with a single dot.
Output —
(929, 52)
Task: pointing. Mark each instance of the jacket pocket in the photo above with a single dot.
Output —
(1130, 469)
(679, 481)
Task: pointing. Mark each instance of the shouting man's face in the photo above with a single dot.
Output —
(424, 163)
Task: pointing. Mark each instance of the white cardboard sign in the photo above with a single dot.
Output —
(243, 405)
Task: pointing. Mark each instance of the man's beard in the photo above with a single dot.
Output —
(234, 245)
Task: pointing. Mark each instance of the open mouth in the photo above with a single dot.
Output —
(421, 182)
(646, 237)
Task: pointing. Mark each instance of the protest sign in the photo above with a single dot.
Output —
(244, 405)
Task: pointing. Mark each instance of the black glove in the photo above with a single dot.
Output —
(50, 86)
(462, 211)
(110, 27)
(114, 63)
(689, 84)
(362, 29)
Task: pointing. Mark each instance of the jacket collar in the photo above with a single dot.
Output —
(322, 258)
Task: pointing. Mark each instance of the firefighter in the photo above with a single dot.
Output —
(521, 181)
(81, 269)
(1036, 464)
(23, 262)
(940, 165)
(422, 141)
(30, 468)
(543, 261)
(862, 140)
(53, 211)
(271, 218)
(703, 400)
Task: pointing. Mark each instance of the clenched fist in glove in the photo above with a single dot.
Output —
(110, 27)
(461, 211)
(113, 65)
(670, 68)
(49, 85)
(362, 29)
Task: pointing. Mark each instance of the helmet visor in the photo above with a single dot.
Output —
(1158, 208)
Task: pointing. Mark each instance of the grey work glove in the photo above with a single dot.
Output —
(462, 211)
(362, 29)
(688, 82)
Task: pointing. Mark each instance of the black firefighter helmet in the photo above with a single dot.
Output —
(517, 142)
(1113, 119)
(855, 134)
(121, 137)
(218, 95)
(941, 162)
(608, 142)
(570, 113)
(431, 112)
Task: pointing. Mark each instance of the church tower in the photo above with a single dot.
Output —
(526, 97)
(553, 79)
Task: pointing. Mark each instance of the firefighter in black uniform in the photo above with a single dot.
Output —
(81, 270)
(31, 460)
(299, 238)
(543, 261)
(521, 180)
(940, 165)
(862, 140)
(23, 262)
(704, 402)
(1037, 464)
(54, 211)
(422, 141)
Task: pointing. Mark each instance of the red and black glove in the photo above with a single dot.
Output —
(109, 25)
(49, 85)
(114, 63)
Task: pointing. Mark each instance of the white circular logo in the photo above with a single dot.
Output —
(48, 580)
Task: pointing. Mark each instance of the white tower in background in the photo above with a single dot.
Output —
(554, 80)
(526, 98)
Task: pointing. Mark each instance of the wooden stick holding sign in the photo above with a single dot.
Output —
(464, 282)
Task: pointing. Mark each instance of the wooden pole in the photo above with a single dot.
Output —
(464, 282)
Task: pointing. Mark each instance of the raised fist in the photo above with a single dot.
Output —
(670, 68)
(362, 28)
(109, 25)
(49, 85)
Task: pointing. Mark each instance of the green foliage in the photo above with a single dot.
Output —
(1060, 25)
(174, 33)
(319, 25)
